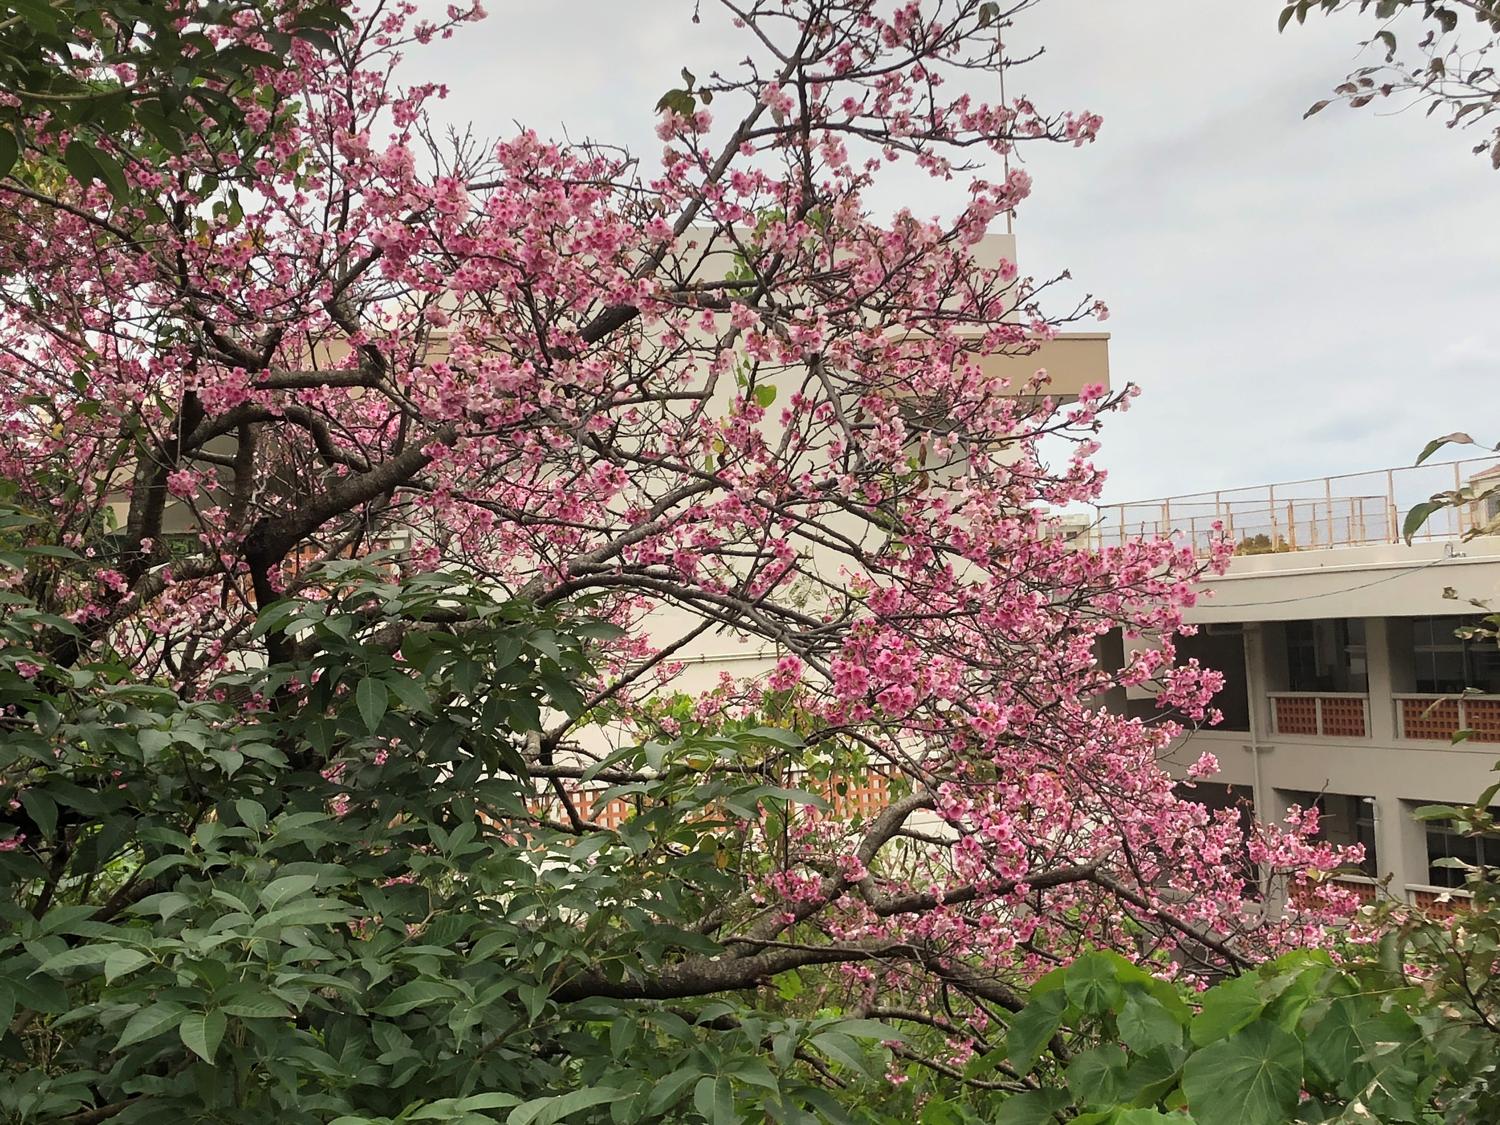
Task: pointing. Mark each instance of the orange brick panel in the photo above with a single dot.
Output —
(1427, 719)
(1429, 901)
(1482, 716)
(1296, 715)
(1365, 892)
(1344, 717)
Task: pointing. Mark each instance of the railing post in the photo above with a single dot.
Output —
(1390, 506)
(1328, 496)
(1274, 536)
(1291, 524)
(1318, 713)
(1458, 511)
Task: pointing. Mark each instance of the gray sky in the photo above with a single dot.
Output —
(1295, 297)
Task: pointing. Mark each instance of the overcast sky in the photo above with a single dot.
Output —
(1295, 297)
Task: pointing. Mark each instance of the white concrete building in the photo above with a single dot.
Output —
(1345, 680)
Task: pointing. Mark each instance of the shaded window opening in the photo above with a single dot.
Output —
(1327, 655)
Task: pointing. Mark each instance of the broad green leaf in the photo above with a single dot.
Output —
(252, 813)
(841, 1049)
(77, 957)
(288, 887)
(413, 994)
(81, 163)
(123, 961)
(714, 1099)
(1226, 1008)
(548, 1110)
(202, 1032)
(1418, 516)
(1144, 1024)
(372, 698)
(1437, 443)
(1033, 1107)
(160, 1017)
(1095, 1075)
(255, 1007)
(1254, 1077)
(666, 1092)
(1093, 985)
(1033, 1026)
(1151, 1076)
(9, 151)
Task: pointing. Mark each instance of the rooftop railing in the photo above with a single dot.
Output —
(1352, 510)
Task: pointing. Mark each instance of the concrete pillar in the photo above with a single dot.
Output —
(1408, 847)
(1256, 680)
(1382, 717)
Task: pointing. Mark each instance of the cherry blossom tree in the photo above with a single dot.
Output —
(707, 379)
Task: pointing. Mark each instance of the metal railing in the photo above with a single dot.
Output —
(1351, 510)
(1321, 714)
(1425, 717)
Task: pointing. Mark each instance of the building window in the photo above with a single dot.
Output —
(1326, 655)
(1444, 843)
(1344, 819)
(1446, 663)
(1221, 648)
(1216, 797)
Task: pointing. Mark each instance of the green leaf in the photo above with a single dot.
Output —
(1227, 1007)
(1419, 516)
(82, 165)
(1092, 984)
(714, 1099)
(493, 1100)
(252, 813)
(667, 1091)
(1145, 1025)
(1032, 1107)
(1095, 1076)
(123, 961)
(372, 698)
(1033, 1026)
(546, 1111)
(255, 1008)
(77, 957)
(201, 1033)
(841, 1049)
(158, 1018)
(288, 887)
(410, 694)
(765, 395)
(1151, 1076)
(1380, 1056)
(42, 809)
(1435, 444)
(413, 994)
(1252, 1078)
(563, 694)
(10, 150)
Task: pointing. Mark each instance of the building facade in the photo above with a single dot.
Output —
(1347, 678)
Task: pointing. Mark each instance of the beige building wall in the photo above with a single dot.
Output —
(1384, 587)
